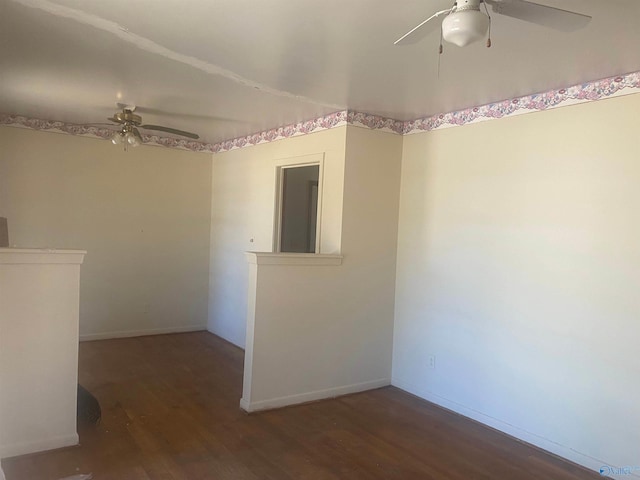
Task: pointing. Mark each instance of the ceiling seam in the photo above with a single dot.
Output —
(149, 46)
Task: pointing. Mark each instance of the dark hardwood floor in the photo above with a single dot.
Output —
(170, 412)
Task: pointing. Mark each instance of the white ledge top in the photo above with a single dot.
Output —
(18, 256)
(270, 258)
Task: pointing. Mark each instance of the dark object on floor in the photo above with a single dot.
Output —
(89, 411)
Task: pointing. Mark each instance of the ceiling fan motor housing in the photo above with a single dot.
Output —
(466, 24)
(127, 116)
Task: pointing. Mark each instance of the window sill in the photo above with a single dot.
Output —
(270, 258)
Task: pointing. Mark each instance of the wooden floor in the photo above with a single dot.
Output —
(170, 411)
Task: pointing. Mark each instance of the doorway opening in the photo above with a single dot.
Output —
(298, 201)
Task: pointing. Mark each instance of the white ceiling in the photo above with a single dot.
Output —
(229, 68)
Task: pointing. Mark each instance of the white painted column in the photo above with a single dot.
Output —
(39, 311)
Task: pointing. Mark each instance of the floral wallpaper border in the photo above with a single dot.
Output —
(375, 122)
(586, 92)
(326, 122)
(99, 132)
(336, 119)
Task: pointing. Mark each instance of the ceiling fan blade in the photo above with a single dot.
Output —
(171, 130)
(422, 30)
(551, 17)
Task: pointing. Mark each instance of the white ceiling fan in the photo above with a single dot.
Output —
(466, 23)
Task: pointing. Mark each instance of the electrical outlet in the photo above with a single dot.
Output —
(432, 361)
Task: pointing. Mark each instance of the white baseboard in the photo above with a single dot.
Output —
(244, 405)
(24, 448)
(544, 443)
(140, 333)
(296, 399)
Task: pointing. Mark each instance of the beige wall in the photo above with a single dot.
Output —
(143, 217)
(321, 331)
(243, 203)
(519, 268)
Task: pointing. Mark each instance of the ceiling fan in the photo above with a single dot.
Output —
(465, 23)
(129, 135)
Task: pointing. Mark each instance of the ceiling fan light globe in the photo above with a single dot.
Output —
(463, 28)
(117, 138)
(131, 139)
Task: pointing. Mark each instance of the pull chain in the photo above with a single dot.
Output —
(440, 51)
(489, 37)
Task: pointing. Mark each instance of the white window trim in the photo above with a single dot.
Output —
(281, 166)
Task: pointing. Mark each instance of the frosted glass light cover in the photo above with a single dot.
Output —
(117, 139)
(465, 27)
(131, 139)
